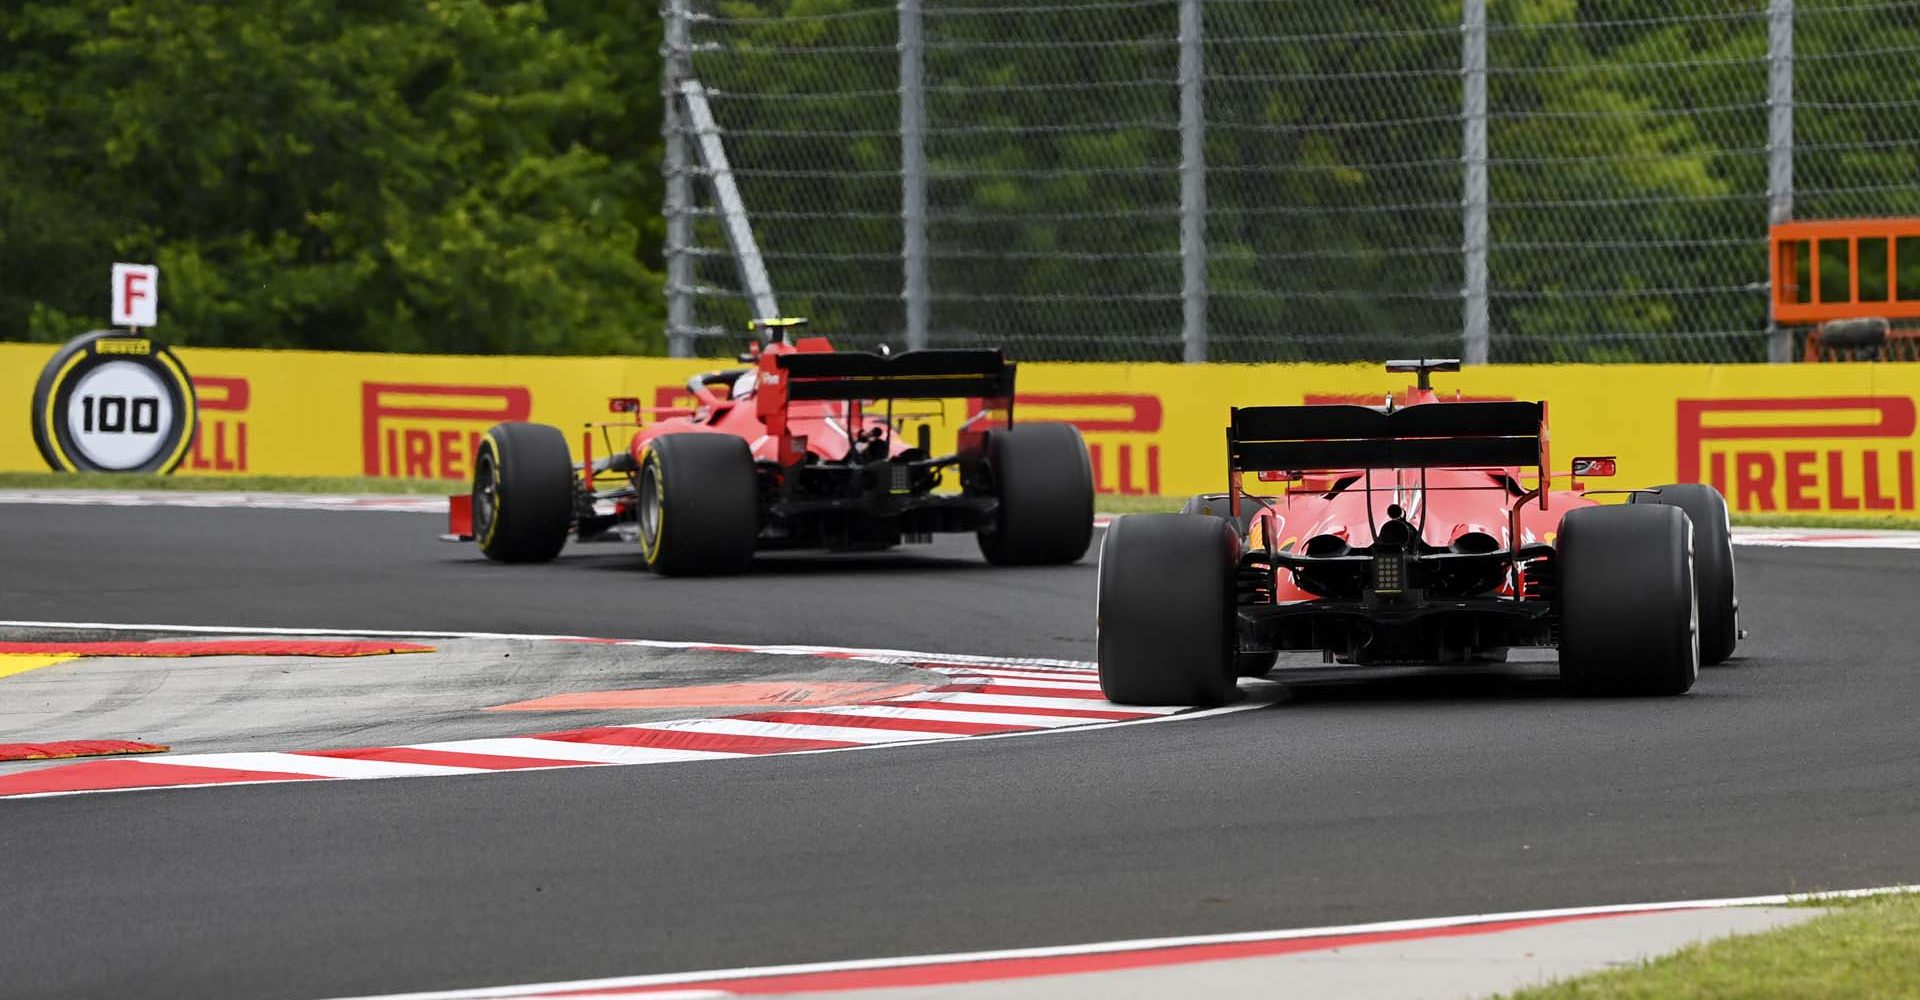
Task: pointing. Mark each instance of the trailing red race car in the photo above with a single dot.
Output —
(788, 453)
(1409, 533)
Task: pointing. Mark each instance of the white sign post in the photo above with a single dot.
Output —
(136, 295)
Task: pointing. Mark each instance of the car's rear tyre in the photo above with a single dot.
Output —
(1166, 610)
(1628, 618)
(1044, 482)
(698, 505)
(1712, 564)
(523, 492)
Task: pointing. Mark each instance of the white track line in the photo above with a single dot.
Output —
(1043, 702)
(534, 748)
(886, 711)
(298, 763)
(1109, 947)
(916, 656)
(982, 678)
(1827, 538)
(374, 503)
(801, 731)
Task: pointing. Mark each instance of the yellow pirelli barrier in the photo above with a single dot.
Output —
(1838, 437)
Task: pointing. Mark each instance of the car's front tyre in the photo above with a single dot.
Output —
(1712, 563)
(523, 491)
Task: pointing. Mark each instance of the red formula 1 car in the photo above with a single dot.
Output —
(1418, 532)
(804, 448)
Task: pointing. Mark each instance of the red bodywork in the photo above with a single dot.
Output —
(1503, 503)
(778, 430)
(822, 430)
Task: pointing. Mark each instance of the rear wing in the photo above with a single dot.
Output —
(854, 376)
(1428, 435)
(1423, 436)
(935, 374)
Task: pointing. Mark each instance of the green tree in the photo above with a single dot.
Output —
(453, 175)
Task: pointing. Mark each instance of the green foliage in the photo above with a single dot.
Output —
(1866, 948)
(1628, 168)
(483, 175)
(451, 175)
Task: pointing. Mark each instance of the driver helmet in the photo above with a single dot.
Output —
(744, 386)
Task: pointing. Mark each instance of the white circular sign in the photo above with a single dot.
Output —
(120, 416)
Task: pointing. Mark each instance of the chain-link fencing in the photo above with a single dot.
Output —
(1630, 155)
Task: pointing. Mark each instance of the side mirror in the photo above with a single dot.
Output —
(1594, 467)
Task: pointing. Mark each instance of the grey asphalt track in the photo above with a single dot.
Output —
(315, 569)
(1795, 768)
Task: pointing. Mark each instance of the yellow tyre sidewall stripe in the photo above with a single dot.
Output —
(499, 482)
(660, 507)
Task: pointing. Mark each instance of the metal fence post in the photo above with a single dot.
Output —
(1473, 200)
(913, 174)
(676, 68)
(1193, 185)
(726, 195)
(1779, 148)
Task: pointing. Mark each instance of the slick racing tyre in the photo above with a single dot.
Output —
(522, 493)
(1258, 664)
(698, 505)
(1629, 624)
(1045, 486)
(1166, 610)
(1712, 564)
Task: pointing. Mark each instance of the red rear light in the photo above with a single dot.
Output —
(1272, 476)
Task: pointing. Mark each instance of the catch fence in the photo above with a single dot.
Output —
(1260, 180)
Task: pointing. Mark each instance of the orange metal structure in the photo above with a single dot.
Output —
(1832, 271)
(1846, 268)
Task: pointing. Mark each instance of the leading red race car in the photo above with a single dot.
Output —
(1410, 534)
(788, 453)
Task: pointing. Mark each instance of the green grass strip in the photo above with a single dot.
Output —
(1897, 522)
(1869, 947)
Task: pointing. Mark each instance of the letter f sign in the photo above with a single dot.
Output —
(136, 294)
